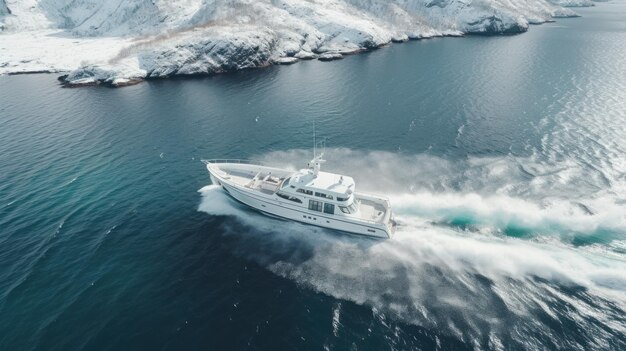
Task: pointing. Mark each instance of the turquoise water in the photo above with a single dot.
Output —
(504, 158)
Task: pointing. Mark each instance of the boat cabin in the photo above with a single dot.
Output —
(331, 190)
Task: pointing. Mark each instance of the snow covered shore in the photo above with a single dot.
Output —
(120, 42)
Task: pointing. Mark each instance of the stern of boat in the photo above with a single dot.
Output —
(389, 220)
(391, 224)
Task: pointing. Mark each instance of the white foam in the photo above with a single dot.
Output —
(216, 202)
(501, 212)
(336, 314)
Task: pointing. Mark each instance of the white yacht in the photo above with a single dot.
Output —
(309, 196)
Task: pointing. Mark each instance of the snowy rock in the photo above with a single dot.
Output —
(305, 55)
(209, 51)
(88, 75)
(494, 25)
(285, 60)
(94, 75)
(330, 56)
(400, 38)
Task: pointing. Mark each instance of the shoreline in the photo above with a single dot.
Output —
(126, 61)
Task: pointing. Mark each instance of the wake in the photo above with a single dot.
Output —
(458, 262)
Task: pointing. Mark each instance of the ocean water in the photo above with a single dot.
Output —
(504, 158)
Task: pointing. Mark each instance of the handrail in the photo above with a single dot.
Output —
(226, 160)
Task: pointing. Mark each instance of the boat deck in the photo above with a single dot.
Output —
(240, 180)
(247, 179)
(371, 210)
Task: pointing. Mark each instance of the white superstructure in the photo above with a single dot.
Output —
(309, 196)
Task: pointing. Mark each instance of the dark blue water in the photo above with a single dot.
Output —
(504, 158)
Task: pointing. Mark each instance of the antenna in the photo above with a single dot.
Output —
(314, 165)
(314, 143)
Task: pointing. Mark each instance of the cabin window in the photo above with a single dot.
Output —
(303, 191)
(326, 196)
(286, 182)
(344, 209)
(290, 198)
(315, 205)
(342, 198)
(329, 208)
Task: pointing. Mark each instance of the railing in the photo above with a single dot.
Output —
(373, 197)
(226, 160)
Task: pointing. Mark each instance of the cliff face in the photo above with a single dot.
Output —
(169, 37)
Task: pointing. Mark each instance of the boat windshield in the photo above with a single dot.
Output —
(354, 207)
(286, 182)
